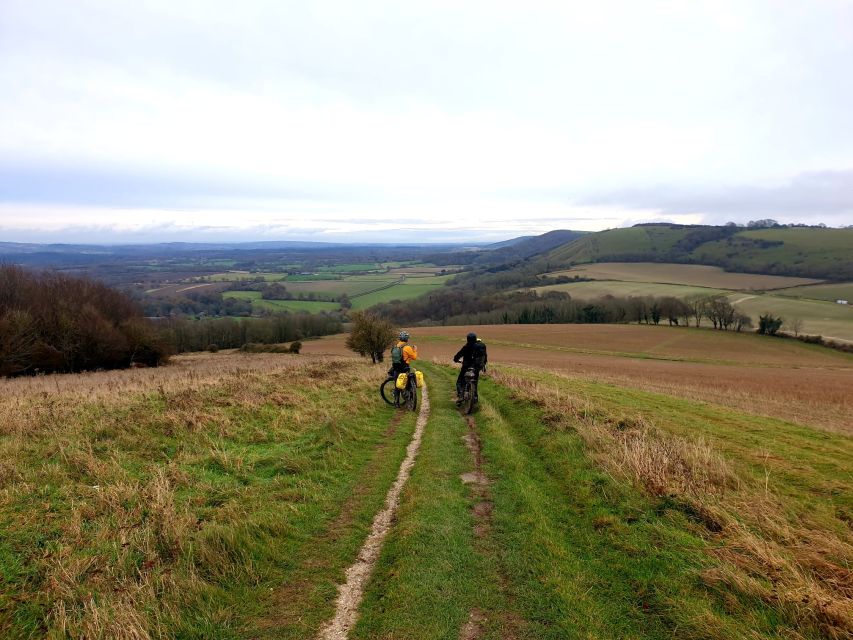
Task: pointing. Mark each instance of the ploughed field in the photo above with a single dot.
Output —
(767, 376)
(604, 488)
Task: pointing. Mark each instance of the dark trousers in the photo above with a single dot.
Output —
(460, 381)
(397, 369)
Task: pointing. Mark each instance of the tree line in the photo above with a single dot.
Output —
(210, 334)
(52, 322)
(460, 306)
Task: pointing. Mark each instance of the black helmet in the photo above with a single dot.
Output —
(472, 337)
(404, 336)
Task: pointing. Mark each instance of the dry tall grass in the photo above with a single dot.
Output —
(800, 566)
(122, 554)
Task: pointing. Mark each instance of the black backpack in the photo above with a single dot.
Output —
(478, 354)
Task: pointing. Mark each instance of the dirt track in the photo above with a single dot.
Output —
(351, 593)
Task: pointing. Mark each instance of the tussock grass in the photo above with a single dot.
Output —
(773, 498)
(173, 502)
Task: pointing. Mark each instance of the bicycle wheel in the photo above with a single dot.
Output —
(411, 395)
(388, 391)
(470, 397)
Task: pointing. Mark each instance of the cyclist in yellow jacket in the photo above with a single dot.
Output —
(402, 354)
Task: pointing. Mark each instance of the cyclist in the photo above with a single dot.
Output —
(473, 354)
(402, 354)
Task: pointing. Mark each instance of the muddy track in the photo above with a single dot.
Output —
(478, 483)
(482, 509)
(351, 592)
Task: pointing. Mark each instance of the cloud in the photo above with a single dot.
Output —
(267, 112)
(825, 196)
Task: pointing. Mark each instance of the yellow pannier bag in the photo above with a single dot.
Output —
(419, 376)
(401, 381)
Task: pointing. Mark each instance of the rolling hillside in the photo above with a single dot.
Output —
(798, 251)
(615, 482)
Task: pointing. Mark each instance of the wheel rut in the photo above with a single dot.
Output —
(351, 593)
(482, 510)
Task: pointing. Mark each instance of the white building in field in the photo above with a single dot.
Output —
(841, 302)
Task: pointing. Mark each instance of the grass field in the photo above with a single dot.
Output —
(365, 290)
(351, 285)
(602, 490)
(818, 317)
(696, 275)
(258, 303)
(406, 290)
(829, 292)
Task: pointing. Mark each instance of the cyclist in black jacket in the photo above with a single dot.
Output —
(473, 354)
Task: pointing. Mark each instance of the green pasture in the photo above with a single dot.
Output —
(830, 292)
(819, 317)
(349, 267)
(410, 288)
(313, 306)
(351, 285)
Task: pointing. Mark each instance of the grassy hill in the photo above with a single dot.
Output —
(797, 251)
(228, 495)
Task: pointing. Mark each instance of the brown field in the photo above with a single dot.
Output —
(784, 379)
(686, 274)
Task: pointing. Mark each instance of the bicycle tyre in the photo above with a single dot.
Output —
(470, 398)
(412, 395)
(387, 392)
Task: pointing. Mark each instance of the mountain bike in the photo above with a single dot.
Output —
(469, 391)
(407, 398)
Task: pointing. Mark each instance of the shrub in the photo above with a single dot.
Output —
(370, 336)
(213, 347)
(768, 324)
(295, 347)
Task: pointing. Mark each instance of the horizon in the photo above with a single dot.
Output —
(334, 123)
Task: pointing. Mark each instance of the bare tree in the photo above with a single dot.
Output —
(796, 325)
(697, 303)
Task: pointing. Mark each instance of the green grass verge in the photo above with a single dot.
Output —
(220, 511)
(571, 552)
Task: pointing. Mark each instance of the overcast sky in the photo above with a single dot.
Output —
(207, 120)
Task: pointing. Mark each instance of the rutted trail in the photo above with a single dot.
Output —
(351, 593)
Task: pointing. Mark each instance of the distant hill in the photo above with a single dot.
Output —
(507, 243)
(792, 251)
(508, 251)
(526, 247)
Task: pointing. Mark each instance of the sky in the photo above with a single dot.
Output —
(203, 120)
